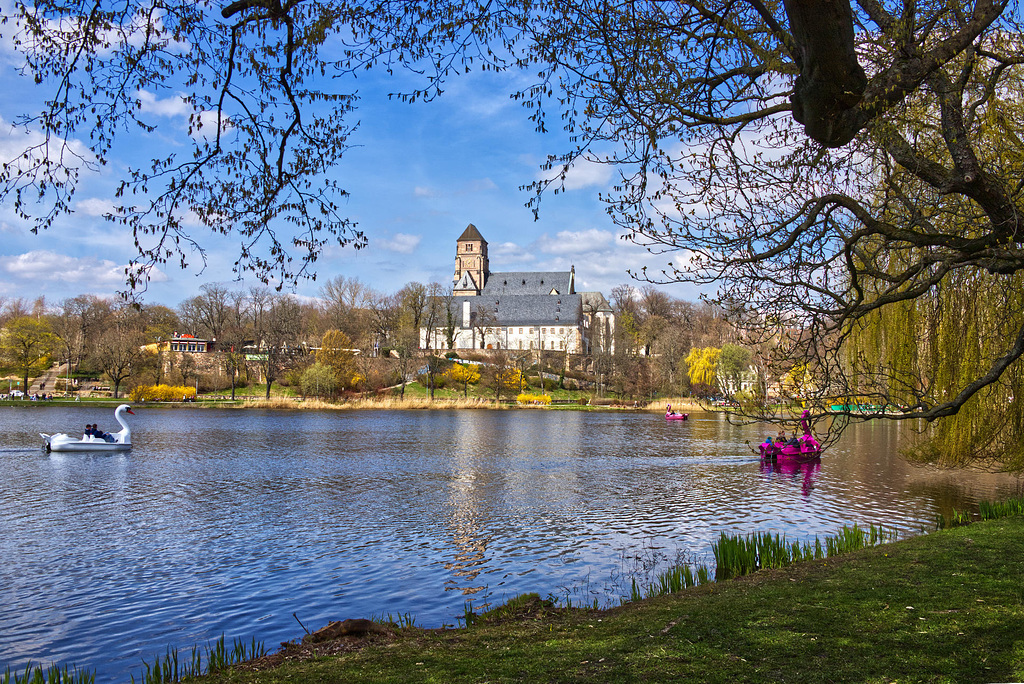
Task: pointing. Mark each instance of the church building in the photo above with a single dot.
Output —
(528, 310)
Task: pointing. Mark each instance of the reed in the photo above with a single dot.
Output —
(736, 555)
(679, 577)
(956, 519)
(218, 657)
(55, 674)
(990, 510)
(684, 404)
(401, 620)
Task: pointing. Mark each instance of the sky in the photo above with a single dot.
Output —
(417, 176)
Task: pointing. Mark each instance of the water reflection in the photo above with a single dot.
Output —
(257, 516)
(795, 470)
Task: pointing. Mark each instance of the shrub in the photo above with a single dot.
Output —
(162, 393)
(440, 380)
(526, 398)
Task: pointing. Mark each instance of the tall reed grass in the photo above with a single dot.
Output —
(55, 674)
(214, 658)
(683, 404)
(741, 555)
(990, 510)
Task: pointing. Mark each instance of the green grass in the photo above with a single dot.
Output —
(945, 607)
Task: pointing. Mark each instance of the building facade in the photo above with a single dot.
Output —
(518, 310)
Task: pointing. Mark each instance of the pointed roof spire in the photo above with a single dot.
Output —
(471, 233)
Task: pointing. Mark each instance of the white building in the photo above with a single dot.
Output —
(518, 309)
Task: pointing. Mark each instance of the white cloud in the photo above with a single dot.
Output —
(572, 242)
(469, 187)
(94, 206)
(582, 174)
(480, 185)
(176, 105)
(39, 265)
(23, 146)
(403, 243)
(207, 126)
(510, 252)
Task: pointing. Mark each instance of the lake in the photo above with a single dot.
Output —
(246, 522)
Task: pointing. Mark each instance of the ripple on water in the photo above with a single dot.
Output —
(261, 517)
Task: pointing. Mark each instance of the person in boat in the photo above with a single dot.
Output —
(669, 411)
(88, 430)
(94, 431)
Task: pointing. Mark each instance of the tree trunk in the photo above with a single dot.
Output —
(831, 82)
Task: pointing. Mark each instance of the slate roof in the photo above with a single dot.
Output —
(516, 310)
(466, 282)
(471, 233)
(594, 302)
(527, 283)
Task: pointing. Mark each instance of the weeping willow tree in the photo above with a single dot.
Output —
(947, 338)
(702, 366)
(942, 341)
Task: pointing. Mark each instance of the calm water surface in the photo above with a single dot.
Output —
(229, 522)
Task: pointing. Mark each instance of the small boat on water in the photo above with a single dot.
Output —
(674, 415)
(118, 441)
(803, 447)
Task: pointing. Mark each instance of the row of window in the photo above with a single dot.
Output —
(551, 345)
(543, 331)
(190, 346)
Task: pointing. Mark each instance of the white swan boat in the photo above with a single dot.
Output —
(122, 440)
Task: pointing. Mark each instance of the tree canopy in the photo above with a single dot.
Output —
(819, 162)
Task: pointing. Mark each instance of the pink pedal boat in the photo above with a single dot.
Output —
(803, 447)
(674, 415)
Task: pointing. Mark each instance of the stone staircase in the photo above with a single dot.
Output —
(47, 381)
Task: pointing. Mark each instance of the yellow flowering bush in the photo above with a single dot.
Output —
(525, 398)
(162, 393)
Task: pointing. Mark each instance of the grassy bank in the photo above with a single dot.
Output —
(946, 607)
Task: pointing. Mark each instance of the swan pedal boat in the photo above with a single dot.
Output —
(807, 447)
(89, 443)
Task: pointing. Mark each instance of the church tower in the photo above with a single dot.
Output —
(471, 266)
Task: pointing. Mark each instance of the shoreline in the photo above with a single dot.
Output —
(944, 606)
(358, 404)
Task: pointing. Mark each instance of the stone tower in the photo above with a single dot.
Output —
(471, 266)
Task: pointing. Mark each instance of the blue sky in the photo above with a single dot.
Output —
(419, 175)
